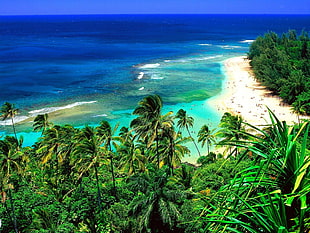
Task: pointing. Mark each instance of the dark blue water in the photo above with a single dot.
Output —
(101, 65)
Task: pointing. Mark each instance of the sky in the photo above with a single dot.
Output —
(51, 7)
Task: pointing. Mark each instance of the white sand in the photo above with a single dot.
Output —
(244, 96)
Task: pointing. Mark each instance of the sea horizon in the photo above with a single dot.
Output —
(93, 14)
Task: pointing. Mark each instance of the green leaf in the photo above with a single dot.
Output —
(303, 200)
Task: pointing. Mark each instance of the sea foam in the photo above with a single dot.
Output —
(140, 76)
(230, 46)
(184, 60)
(155, 76)
(149, 66)
(208, 58)
(101, 115)
(16, 120)
(247, 41)
(37, 112)
(54, 109)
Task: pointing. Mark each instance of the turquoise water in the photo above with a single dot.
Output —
(84, 69)
(198, 83)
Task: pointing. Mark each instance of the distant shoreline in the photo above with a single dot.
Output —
(243, 95)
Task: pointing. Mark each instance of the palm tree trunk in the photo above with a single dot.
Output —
(112, 169)
(157, 153)
(113, 177)
(171, 156)
(193, 140)
(98, 188)
(14, 130)
(42, 132)
(80, 187)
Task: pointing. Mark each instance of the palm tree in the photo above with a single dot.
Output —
(133, 161)
(8, 110)
(232, 129)
(206, 137)
(131, 156)
(156, 205)
(184, 176)
(41, 122)
(171, 147)
(104, 131)
(56, 144)
(89, 155)
(10, 160)
(148, 123)
(54, 156)
(186, 122)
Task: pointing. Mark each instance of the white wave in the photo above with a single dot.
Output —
(180, 60)
(140, 76)
(34, 113)
(205, 44)
(54, 109)
(247, 41)
(16, 119)
(141, 88)
(195, 59)
(208, 58)
(167, 61)
(229, 46)
(156, 77)
(149, 66)
(101, 115)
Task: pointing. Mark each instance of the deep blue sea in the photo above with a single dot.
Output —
(83, 69)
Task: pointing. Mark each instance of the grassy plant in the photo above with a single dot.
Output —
(272, 194)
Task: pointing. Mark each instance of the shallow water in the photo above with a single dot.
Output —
(83, 69)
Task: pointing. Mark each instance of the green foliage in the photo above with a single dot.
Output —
(89, 180)
(186, 122)
(156, 201)
(282, 64)
(41, 123)
(206, 137)
(190, 210)
(272, 194)
(8, 110)
(212, 176)
(232, 128)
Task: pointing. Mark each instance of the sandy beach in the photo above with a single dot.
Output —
(244, 96)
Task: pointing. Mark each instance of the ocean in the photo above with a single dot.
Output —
(82, 69)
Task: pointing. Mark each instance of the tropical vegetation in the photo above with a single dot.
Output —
(282, 63)
(133, 179)
(101, 179)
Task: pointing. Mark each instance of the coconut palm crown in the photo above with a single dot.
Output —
(8, 110)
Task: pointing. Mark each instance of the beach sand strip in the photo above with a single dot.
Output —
(243, 95)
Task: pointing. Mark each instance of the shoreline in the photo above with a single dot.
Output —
(243, 95)
(240, 94)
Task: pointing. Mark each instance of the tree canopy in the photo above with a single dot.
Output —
(282, 64)
(98, 179)
(91, 179)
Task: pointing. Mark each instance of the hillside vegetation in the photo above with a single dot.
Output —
(282, 63)
(93, 179)
(131, 178)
